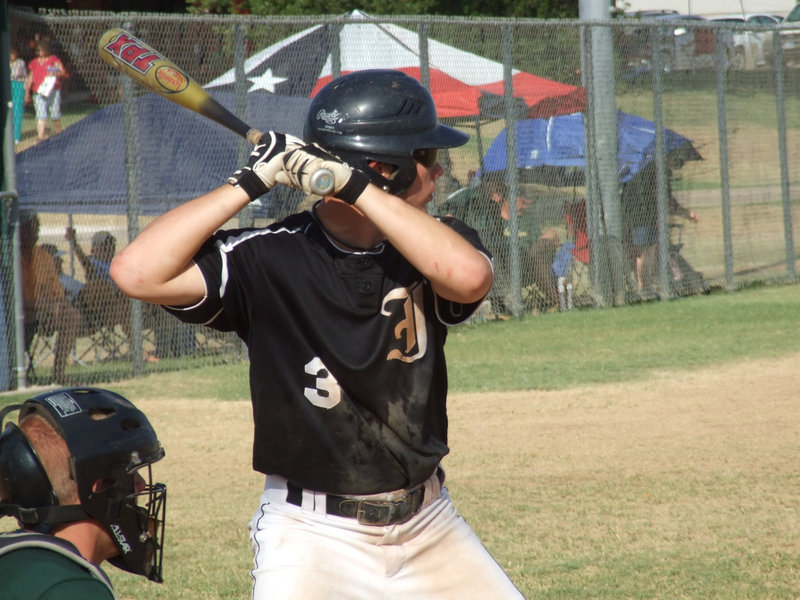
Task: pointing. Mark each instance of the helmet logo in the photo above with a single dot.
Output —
(121, 539)
(330, 118)
(63, 404)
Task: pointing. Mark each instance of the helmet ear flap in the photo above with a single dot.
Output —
(395, 181)
(403, 177)
(23, 480)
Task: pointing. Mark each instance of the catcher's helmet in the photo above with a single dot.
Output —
(378, 115)
(109, 441)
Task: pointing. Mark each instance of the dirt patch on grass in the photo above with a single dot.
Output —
(749, 408)
(690, 472)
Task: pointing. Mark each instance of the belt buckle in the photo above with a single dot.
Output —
(385, 512)
(370, 512)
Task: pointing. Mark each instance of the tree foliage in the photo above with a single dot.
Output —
(538, 9)
(532, 9)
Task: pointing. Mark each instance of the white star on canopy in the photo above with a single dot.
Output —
(265, 81)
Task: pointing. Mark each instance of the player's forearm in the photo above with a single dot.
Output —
(157, 266)
(456, 270)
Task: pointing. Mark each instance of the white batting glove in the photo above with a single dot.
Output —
(300, 165)
(266, 160)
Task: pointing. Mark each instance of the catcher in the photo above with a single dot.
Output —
(75, 473)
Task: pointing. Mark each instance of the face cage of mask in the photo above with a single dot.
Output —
(146, 511)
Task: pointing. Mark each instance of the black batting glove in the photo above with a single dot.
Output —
(266, 160)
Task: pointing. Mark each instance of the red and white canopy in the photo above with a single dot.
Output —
(301, 64)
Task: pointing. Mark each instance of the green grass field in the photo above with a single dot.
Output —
(647, 451)
(624, 344)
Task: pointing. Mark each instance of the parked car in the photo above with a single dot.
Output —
(789, 34)
(764, 19)
(748, 46)
(681, 46)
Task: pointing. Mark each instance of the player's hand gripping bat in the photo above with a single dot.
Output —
(149, 68)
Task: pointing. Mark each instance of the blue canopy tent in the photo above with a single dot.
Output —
(179, 155)
(554, 150)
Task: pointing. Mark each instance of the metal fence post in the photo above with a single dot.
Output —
(132, 174)
(661, 175)
(598, 265)
(336, 51)
(240, 98)
(16, 320)
(424, 59)
(721, 67)
(786, 201)
(511, 160)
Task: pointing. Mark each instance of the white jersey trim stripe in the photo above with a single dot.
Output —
(230, 243)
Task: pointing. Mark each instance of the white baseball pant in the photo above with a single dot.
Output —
(302, 553)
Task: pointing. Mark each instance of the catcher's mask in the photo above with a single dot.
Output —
(112, 447)
(379, 115)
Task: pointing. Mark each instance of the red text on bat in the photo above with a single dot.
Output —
(130, 51)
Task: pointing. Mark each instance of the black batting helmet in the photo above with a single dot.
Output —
(112, 446)
(378, 115)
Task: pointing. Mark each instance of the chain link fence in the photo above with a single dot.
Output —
(706, 203)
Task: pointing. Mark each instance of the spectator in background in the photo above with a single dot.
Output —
(72, 287)
(474, 206)
(490, 215)
(98, 262)
(539, 271)
(19, 75)
(102, 301)
(30, 50)
(45, 303)
(43, 86)
(640, 222)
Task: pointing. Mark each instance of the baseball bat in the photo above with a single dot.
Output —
(149, 68)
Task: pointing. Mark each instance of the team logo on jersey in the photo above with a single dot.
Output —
(410, 331)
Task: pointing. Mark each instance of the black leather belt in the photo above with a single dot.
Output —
(366, 510)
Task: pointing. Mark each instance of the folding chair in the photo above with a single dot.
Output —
(37, 349)
(40, 349)
(106, 321)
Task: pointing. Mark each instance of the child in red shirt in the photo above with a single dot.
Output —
(45, 73)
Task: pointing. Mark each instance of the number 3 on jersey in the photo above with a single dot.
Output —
(327, 392)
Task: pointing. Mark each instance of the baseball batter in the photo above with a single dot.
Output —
(344, 310)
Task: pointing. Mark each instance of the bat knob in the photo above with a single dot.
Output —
(321, 182)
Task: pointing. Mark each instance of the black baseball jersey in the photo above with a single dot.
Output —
(347, 367)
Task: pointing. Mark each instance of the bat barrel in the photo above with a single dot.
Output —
(148, 67)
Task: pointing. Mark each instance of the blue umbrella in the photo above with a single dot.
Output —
(557, 145)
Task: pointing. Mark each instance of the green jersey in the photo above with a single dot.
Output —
(34, 566)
